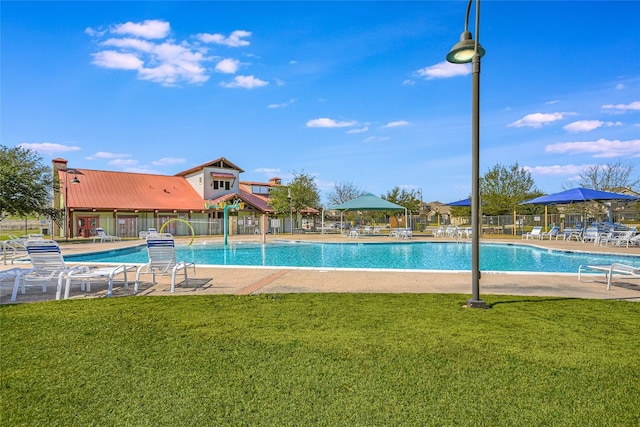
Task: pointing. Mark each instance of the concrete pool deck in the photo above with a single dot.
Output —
(261, 280)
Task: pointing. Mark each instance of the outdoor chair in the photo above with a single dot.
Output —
(49, 265)
(535, 233)
(104, 237)
(554, 232)
(162, 260)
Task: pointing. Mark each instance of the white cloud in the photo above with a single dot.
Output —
(135, 44)
(149, 29)
(228, 66)
(48, 147)
(143, 169)
(633, 106)
(555, 169)
(325, 122)
(245, 82)
(282, 104)
(376, 139)
(267, 171)
(122, 162)
(620, 86)
(536, 120)
(107, 155)
(444, 70)
(602, 148)
(359, 130)
(554, 101)
(167, 161)
(588, 125)
(396, 124)
(409, 83)
(235, 39)
(113, 59)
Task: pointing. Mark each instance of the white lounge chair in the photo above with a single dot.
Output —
(535, 233)
(150, 232)
(104, 237)
(554, 232)
(610, 270)
(48, 265)
(162, 260)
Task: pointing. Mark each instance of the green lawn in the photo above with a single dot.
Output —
(320, 360)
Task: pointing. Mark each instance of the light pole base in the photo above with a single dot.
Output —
(477, 303)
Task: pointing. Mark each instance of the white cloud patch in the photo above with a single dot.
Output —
(235, 39)
(537, 120)
(168, 161)
(621, 108)
(107, 155)
(588, 125)
(123, 162)
(443, 70)
(602, 148)
(267, 171)
(554, 101)
(145, 47)
(325, 122)
(555, 170)
(117, 60)
(620, 86)
(149, 29)
(359, 130)
(244, 82)
(228, 66)
(283, 104)
(409, 82)
(48, 147)
(396, 124)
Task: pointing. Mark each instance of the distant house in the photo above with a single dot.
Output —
(125, 203)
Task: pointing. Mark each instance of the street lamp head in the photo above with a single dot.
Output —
(463, 51)
(75, 180)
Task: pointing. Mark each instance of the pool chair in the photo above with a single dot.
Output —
(162, 260)
(104, 237)
(150, 232)
(628, 271)
(535, 233)
(49, 265)
(554, 232)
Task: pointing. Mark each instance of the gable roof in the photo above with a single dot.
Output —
(221, 163)
(128, 191)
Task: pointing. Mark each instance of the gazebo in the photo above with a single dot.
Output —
(366, 202)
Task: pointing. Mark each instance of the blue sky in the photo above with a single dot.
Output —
(353, 92)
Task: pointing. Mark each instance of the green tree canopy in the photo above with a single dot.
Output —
(303, 191)
(503, 188)
(25, 183)
(403, 197)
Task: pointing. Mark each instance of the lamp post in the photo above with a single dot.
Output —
(74, 180)
(290, 208)
(465, 51)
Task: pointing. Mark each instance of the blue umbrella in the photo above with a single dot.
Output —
(463, 202)
(576, 195)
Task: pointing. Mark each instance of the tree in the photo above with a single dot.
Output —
(301, 193)
(607, 177)
(25, 183)
(503, 188)
(408, 199)
(343, 192)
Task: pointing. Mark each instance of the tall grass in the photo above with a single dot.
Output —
(328, 359)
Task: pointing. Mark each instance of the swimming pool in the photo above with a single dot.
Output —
(396, 256)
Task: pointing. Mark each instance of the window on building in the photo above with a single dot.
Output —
(215, 185)
(227, 185)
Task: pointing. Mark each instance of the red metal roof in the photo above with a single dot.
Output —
(128, 191)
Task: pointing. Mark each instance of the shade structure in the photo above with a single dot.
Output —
(577, 195)
(367, 202)
(463, 202)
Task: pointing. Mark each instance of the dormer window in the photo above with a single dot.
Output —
(222, 180)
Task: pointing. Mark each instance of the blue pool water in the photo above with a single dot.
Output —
(409, 256)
